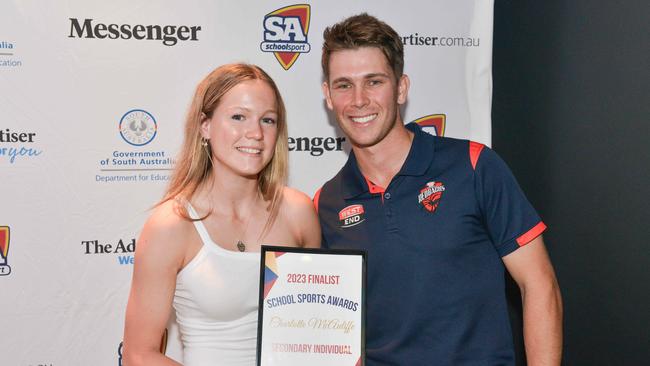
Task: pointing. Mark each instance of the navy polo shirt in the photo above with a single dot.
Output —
(435, 237)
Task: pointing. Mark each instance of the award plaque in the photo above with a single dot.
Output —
(312, 307)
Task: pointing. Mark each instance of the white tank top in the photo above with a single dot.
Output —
(216, 301)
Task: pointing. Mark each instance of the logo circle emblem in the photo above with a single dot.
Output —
(138, 127)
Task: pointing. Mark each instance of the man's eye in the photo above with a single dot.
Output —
(374, 82)
(237, 117)
(342, 86)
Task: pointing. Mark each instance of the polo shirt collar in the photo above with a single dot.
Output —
(417, 163)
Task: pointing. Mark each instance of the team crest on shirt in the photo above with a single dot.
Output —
(351, 216)
(430, 196)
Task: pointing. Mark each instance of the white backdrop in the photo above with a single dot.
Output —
(75, 191)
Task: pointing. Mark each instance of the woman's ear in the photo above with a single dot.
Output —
(205, 126)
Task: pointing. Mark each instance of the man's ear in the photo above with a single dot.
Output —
(403, 86)
(326, 93)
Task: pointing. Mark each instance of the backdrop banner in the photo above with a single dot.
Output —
(93, 97)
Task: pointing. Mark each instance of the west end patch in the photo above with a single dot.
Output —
(351, 216)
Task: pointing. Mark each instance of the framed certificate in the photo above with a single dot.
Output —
(312, 307)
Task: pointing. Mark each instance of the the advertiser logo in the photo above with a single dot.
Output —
(285, 33)
(169, 35)
(415, 39)
(316, 146)
(351, 216)
(433, 124)
(137, 128)
(15, 145)
(8, 56)
(122, 249)
(430, 196)
(4, 251)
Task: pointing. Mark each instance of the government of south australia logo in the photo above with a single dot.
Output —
(285, 33)
(433, 124)
(8, 55)
(4, 251)
(138, 127)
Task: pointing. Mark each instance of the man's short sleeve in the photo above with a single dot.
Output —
(510, 219)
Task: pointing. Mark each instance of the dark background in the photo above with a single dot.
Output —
(571, 117)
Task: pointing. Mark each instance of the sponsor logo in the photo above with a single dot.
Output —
(123, 250)
(433, 124)
(8, 56)
(285, 33)
(415, 39)
(429, 196)
(351, 216)
(316, 146)
(137, 128)
(5, 269)
(163, 347)
(169, 35)
(18, 147)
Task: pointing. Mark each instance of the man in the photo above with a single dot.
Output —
(440, 219)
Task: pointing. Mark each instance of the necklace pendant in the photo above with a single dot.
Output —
(241, 246)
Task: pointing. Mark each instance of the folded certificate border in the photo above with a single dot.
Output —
(311, 307)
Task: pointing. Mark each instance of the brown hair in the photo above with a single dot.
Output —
(363, 30)
(194, 165)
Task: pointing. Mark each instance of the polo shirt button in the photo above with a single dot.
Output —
(387, 195)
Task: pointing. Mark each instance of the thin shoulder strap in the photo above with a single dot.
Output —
(198, 224)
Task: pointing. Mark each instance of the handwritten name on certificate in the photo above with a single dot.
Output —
(311, 307)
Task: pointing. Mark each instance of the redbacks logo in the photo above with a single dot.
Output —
(433, 124)
(351, 216)
(285, 33)
(431, 195)
(4, 250)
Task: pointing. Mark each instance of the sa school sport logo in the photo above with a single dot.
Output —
(430, 196)
(4, 250)
(433, 124)
(285, 33)
(351, 216)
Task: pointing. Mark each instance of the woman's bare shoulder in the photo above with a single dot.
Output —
(165, 230)
(298, 212)
(295, 201)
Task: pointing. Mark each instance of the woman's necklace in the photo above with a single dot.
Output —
(241, 246)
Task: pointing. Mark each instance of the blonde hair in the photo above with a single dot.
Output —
(194, 165)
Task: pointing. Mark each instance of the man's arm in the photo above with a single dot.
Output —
(531, 268)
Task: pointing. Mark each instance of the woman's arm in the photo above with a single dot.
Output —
(158, 258)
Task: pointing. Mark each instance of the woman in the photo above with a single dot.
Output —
(199, 250)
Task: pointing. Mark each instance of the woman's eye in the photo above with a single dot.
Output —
(238, 117)
(268, 120)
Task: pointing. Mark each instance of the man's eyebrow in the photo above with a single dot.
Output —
(341, 79)
(376, 74)
(367, 76)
